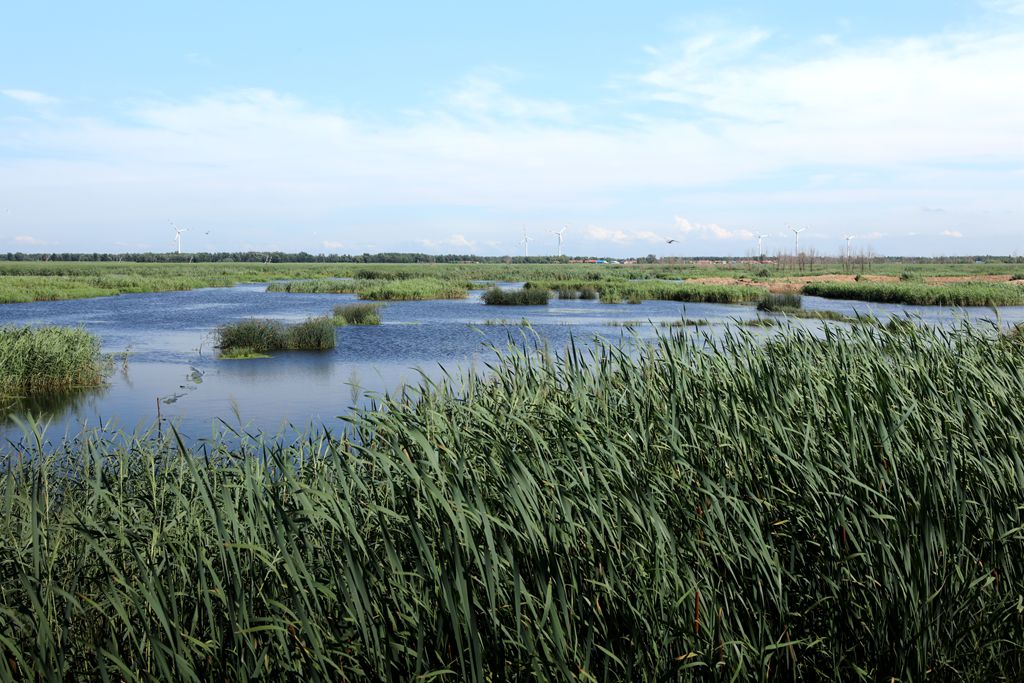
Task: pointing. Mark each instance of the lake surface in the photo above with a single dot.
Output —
(172, 362)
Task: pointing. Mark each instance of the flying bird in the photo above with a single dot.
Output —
(671, 241)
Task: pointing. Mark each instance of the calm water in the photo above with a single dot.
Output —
(172, 362)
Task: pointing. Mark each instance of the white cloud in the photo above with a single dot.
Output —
(29, 97)
(955, 96)
(456, 241)
(952, 233)
(619, 236)
(712, 231)
(870, 125)
(486, 98)
(28, 240)
(461, 241)
(1006, 6)
(333, 246)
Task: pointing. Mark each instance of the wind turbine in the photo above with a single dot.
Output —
(760, 251)
(796, 237)
(526, 243)
(560, 233)
(848, 238)
(177, 235)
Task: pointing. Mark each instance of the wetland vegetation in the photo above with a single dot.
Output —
(356, 314)
(495, 296)
(827, 508)
(49, 360)
(255, 337)
(721, 281)
(910, 291)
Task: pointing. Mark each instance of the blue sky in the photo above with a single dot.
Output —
(453, 127)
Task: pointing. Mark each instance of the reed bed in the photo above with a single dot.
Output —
(51, 280)
(495, 296)
(913, 293)
(318, 286)
(780, 303)
(635, 291)
(257, 336)
(819, 508)
(49, 359)
(379, 289)
(356, 314)
(414, 289)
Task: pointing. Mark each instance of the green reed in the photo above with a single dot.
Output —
(379, 289)
(836, 506)
(780, 303)
(258, 336)
(49, 359)
(912, 292)
(495, 296)
(356, 314)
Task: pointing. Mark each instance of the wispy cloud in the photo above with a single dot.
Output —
(888, 125)
(893, 101)
(332, 245)
(487, 98)
(29, 240)
(29, 97)
(712, 231)
(952, 233)
(456, 241)
(619, 236)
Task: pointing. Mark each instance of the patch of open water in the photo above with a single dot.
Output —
(173, 363)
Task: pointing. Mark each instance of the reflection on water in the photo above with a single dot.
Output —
(48, 405)
(174, 371)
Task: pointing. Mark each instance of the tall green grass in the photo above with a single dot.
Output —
(262, 336)
(379, 289)
(846, 507)
(414, 289)
(917, 294)
(635, 291)
(776, 303)
(49, 359)
(495, 296)
(356, 314)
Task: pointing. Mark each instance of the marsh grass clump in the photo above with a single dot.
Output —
(780, 303)
(412, 289)
(370, 274)
(587, 292)
(253, 334)
(253, 337)
(357, 314)
(315, 334)
(49, 359)
(317, 286)
(760, 321)
(527, 296)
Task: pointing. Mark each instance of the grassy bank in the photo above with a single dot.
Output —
(911, 292)
(252, 337)
(50, 280)
(615, 291)
(48, 359)
(836, 508)
(379, 289)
